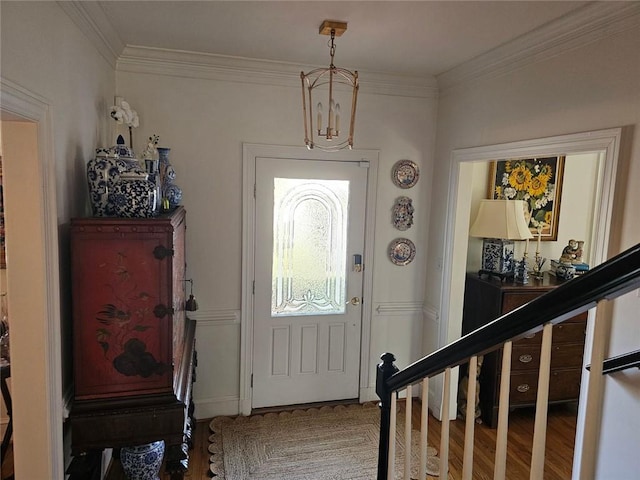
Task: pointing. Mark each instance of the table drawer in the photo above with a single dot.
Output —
(564, 384)
(570, 331)
(513, 300)
(527, 357)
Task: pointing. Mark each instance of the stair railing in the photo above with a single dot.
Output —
(607, 281)
(620, 362)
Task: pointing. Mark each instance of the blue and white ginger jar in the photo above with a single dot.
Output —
(142, 462)
(103, 173)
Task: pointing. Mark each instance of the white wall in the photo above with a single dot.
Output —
(47, 58)
(577, 204)
(590, 88)
(205, 121)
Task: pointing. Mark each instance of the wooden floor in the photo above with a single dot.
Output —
(7, 465)
(558, 461)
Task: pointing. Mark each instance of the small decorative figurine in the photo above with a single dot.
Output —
(569, 253)
(521, 275)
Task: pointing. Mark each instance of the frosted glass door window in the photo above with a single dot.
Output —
(310, 220)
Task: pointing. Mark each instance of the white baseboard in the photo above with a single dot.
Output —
(368, 395)
(435, 405)
(214, 407)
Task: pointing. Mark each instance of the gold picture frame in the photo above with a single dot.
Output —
(537, 181)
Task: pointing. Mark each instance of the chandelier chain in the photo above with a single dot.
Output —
(332, 49)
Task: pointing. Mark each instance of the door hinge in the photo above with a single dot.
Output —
(252, 380)
(254, 190)
(253, 287)
(364, 164)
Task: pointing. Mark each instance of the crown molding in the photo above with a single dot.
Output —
(93, 23)
(589, 24)
(179, 63)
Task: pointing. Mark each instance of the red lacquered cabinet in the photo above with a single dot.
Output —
(133, 346)
(128, 304)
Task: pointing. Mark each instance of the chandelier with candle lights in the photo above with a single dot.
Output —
(331, 85)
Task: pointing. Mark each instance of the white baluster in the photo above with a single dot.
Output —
(424, 427)
(444, 434)
(500, 470)
(542, 403)
(407, 435)
(467, 462)
(587, 455)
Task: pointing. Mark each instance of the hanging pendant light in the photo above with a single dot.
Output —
(329, 85)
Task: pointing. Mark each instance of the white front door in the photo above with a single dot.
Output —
(310, 219)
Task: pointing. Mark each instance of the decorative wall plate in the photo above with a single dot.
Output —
(402, 213)
(402, 251)
(405, 173)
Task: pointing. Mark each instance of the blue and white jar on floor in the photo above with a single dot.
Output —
(142, 462)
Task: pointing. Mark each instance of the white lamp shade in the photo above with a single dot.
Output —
(501, 219)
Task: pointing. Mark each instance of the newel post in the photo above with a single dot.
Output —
(385, 369)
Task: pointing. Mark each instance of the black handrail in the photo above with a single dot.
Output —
(620, 362)
(609, 280)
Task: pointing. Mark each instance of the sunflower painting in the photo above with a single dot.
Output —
(537, 181)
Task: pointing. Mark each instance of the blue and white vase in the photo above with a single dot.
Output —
(171, 193)
(142, 462)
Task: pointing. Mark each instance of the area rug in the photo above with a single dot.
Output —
(329, 443)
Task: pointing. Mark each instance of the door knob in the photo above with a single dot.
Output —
(355, 301)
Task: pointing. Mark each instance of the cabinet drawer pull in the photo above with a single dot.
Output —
(522, 388)
(526, 358)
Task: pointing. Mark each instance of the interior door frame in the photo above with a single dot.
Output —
(604, 142)
(249, 154)
(34, 271)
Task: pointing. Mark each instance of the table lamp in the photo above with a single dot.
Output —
(499, 223)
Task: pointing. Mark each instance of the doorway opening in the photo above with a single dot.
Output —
(307, 333)
(33, 283)
(605, 144)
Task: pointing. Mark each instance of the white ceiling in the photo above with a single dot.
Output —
(410, 38)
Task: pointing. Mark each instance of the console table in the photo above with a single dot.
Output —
(486, 299)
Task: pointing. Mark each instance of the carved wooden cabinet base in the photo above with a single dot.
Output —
(134, 349)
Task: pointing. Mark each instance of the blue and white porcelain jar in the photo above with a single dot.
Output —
(103, 172)
(142, 462)
(565, 271)
(134, 198)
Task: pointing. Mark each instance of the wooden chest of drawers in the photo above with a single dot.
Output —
(487, 299)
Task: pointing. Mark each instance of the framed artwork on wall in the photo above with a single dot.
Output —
(537, 181)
